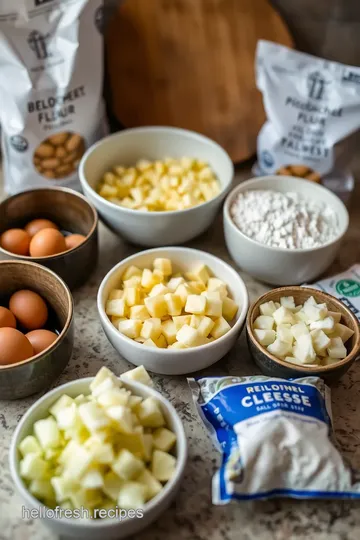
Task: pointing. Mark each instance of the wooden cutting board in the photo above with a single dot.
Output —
(190, 64)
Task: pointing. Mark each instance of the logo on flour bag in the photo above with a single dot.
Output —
(39, 44)
(19, 143)
(317, 84)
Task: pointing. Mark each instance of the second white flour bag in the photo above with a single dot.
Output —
(312, 106)
(51, 108)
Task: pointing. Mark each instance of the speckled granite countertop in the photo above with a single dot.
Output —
(192, 516)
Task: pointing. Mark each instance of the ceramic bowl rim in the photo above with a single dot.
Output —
(45, 258)
(170, 352)
(256, 181)
(150, 505)
(121, 209)
(64, 331)
(302, 367)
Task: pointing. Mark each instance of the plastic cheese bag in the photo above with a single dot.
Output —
(51, 74)
(275, 437)
(312, 105)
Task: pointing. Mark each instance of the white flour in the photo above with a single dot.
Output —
(285, 220)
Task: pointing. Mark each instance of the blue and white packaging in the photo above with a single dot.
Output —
(275, 437)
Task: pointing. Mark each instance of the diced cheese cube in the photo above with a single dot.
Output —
(159, 289)
(115, 320)
(283, 315)
(268, 308)
(47, 433)
(164, 265)
(174, 304)
(178, 345)
(147, 279)
(149, 413)
(151, 329)
(116, 307)
(153, 486)
(33, 466)
(149, 343)
(163, 465)
(264, 322)
(138, 374)
(304, 350)
(229, 308)
(156, 306)
(342, 331)
(130, 272)
(327, 325)
(126, 465)
(115, 294)
(183, 291)
(195, 320)
(132, 495)
(220, 328)
(336, 349)
(161, 342)
(195, 304)
(200, 273)
(139, 312)
(132, 296)
(287, 302)
(174, 283)
(336, 315)
(130, 328)
(30, 445)
(189, 336)
(163, 439)
(205, 326)
(284, 334)
(181, 321)
(217, 285)
(279, 348)
(169, 331)
(265, 337)
(134, 281)
(111, 485)
(158, 276)
(299, 329)
(213, 304)
(197, 286)
(320, 341)
(93, 416)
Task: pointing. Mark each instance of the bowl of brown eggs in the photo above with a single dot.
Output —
(36, 328)
(55, 227)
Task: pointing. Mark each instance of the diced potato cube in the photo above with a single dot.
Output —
(130, 328)
(300, 316)
(103, 374)
(268, 308)
(148, 446)
(132, 495)
(62, 487)
(139, 312)
(116, 307)
(161, 342)
(164, 265)
(30, 445)
(181, 321)
(115, 294)
(229, 308)
(279, 348)
(183, 291)
(299, 329)
(112, 397)
(195, 304)
(149, 413)
(33, 467)
(213, 304)
(197, 286)
(47, 433)
(342, 331)
(283, 315)
(315, 313)
(175, 282)
(163, 439)
(292, 360)
(217, 285)
(41, 489)
(122, 417)
(115, 320)
(178, 345)
(112, 484)
(163, 465)
(328, 360)
(151, 329)
(284, 333)
(220, 328)
(336, 349)
(93, 416)
(102, 452)
(265, 337)
(320, 341)
(201, 273)
(126, 465)
(174, 304)
(130, 272)
(336, 315)
(147, 279)
(287, 302)
(132, 296)
(327, 325)
(303, 349)
(264, 322)
(134, 281)
(92, 479)
(138, 374)
(156, 306)
(189, 336)
(169, 331)
(153, 486)
(149, 343)
(195, 320)
(159, 289)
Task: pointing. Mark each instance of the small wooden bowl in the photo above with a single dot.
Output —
(273, 366)
(71, 212)
(34, 374)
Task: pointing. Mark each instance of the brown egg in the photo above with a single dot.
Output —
(74, 240)
(41, 339)
(47, 242)
(37, 225)
(29, 308)
(7, 318)
(14, 346)
(16, 241)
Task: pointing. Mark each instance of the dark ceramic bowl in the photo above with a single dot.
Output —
(34, 374)
(274, 367)
(72, 213)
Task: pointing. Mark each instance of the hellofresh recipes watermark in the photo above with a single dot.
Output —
(80, 513)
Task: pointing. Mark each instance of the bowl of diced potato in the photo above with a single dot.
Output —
(156, 186)
(101, 457)
(298, 331)
(175, 310)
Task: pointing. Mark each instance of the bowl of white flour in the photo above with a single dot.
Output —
(283, 230)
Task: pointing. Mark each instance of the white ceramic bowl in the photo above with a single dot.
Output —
(106, 528)
(127, 147)
(173, 361)
(279, 266)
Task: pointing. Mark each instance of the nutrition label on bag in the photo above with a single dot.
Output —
(345, 287)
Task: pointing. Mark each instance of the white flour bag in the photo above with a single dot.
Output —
(312, 105)
(51, 74)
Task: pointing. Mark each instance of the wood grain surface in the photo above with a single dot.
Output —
(190, 64)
